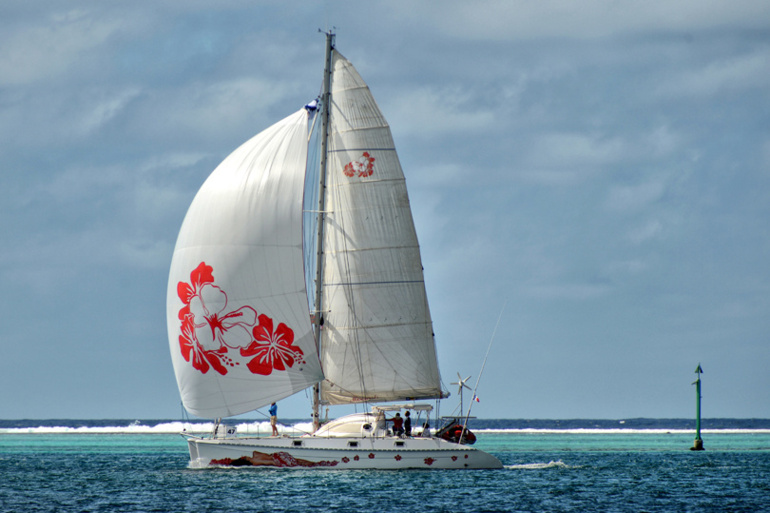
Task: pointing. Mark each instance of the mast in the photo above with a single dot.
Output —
(698, 445)
(325, 101)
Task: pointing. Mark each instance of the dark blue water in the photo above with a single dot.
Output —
(567, 471)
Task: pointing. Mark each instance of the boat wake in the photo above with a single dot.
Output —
(538, 466)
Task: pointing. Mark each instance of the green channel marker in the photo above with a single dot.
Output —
(698, 445)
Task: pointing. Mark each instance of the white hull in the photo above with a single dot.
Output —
(337, 453)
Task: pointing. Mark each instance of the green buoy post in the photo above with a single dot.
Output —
(698, 445)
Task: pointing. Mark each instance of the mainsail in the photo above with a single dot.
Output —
(238, 319)
(377, 337)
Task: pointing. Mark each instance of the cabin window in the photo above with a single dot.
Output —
(297, 443)
(352, 444)
(399, 444)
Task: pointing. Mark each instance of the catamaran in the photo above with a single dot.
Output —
(251, 320)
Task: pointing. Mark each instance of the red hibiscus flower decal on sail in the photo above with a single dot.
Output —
(272, 350)
(364, 166)
(213, 336)
(208, 329)
(215, 327)
(201, 359)
(202, 275)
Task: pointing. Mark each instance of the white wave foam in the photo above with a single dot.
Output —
(538, 466)
(248, 428)
(134, 428)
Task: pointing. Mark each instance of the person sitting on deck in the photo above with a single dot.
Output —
(398, 424)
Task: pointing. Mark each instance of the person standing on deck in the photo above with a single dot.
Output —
(274, 418)
(407, 424)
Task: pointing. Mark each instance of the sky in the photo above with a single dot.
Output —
(595, 175)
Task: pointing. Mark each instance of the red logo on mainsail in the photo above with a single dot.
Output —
(213, 337)
(364, 166)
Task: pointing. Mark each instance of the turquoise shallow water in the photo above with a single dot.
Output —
(552, 471)
(566, 443)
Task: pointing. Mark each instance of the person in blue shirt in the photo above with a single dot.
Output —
(274, 418)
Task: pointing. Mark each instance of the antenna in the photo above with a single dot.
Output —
(476, 386)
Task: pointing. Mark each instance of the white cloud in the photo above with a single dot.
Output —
(50, 45)
(726, 75)
(172, 160)
(660, 142)
(624, 198)
(209, 111)
(627, 267)
(567, 158)
(570, 291)
(100, 112)
(432, 112)
(495, 20)
(146, 254)
(645, 232)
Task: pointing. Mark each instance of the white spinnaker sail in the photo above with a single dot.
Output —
(377, 338)
(238, 319)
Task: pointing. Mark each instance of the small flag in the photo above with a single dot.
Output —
(476, 398)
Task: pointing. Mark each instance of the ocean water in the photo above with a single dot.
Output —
(561, 466)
